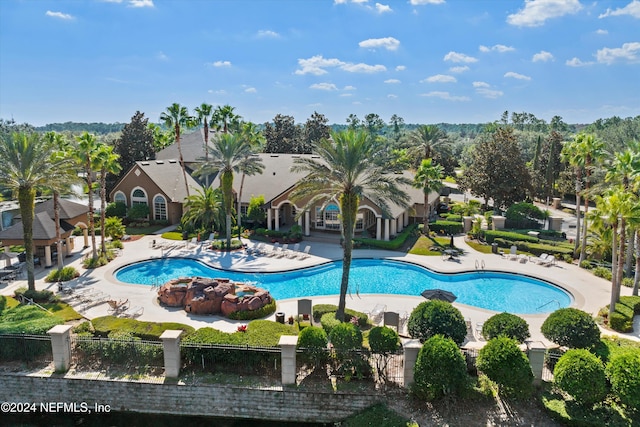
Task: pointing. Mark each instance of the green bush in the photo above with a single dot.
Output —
(603, 272)
(383, 340)
(505, 364)
(62, 275)
(580, 374)
(627, 282)
(117, 209)
(572, 328)
(37, 296)
(27, 319)
(623, 372)
(313, 341)
(138, 211)
(329, 321)
(345, 336)
(446, 227)
(321, 309)
(506, 324)
(632, 301)
(103, 326)
(440, 369)
(435, 317)
(491, 235)
(263, 311)
(392, 244)
(269, 233)
(620, 322)
(586, 264)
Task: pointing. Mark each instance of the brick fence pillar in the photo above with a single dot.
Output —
(287, 345)
(536, 352)
(171, 347)
(411, 350)
(61, 347)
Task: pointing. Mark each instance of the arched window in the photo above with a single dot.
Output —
(120, 198)
(159, 208)
(332, 217)
(139, 197)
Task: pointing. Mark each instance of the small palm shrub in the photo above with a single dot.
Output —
(603, 272)
(572, 328)
(437, 317)
(505, 364)
(62, 275)
(581, 374)
(440, 369)
(623, 372)
(506, 324)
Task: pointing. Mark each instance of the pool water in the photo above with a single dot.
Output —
(495, 291)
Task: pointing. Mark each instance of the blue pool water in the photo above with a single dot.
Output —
(490, 290)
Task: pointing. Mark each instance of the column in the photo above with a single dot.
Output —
(268, 218)
(67, 244)
(61, 347)
(287, 345)
(171, 347)
(277, 211)
(536, 352)
(386, 229)
(378, 228)
(467, 222)
(406, 218)
(393, 223)
(300, 221)
(307, 224)
(47, 256)
(411, 350)
(401, 222)
(555, 223)
(498, 222)
(85, 234)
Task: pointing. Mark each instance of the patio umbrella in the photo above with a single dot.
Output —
(440, 294)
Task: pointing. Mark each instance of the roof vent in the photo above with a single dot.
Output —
(274, 155)
(160, 162)
(144, 163)
(315, 157)
(172, 161)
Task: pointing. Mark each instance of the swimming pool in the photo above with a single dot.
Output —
(486, 289)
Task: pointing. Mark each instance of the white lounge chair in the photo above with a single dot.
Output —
(542, 259)
(513, 253)
(274, 251)
(293, 252)
(304, 254)
(133, 312)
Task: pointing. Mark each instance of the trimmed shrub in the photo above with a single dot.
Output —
(383, 340)
(313, 341)
(572, 328)
(117, 209)
(508, 325)
(580, 374)
(437, 317)
(345, 336)
(37, 296)
(627, 282)
(263, 311)
(393, 244)
(586, 264)
(321, 309)
(623, 372)
(329, 321)
(103, 326)
(632, 301)
(505, 364)
(138, 211)
(603, 272)
(446, 227)
(491, 235)
(62, 275)
(440, 369)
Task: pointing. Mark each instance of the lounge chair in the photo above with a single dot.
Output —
(391, 318)
(377, 313)
(513, 253)
(133, 312)
(542, 259)
(304, 254)
(293, 252)
(523, 258)
(275, 250)
(116, 307)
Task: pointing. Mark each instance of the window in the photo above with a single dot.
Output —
(331, 217)
(319, 218)
(138, 197)
(159, 208)
(120, 198)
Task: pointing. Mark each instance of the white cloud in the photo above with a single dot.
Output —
(392, 96)
(345, 95)
(349, 87)
(251, 90)
(513, 75)
(445, 95)
(497, 48)
(392, 81)
(602, 32)
(632, 9)
(481, 84)
(268, 34)
(217, 92)
(401, 68)
(140, 3)
(459, 69)
(59, 15)
(388, 43)
(161, 56)
(363, 68)
(439, 78)
(459, 57)
(221, 64)
(316, 65)
(542, 56)
(483, 89)
(421, 2)
(383, 8)
(349, 1)
(576, 62)
(536, 12)
(323, 86)
(627, 53)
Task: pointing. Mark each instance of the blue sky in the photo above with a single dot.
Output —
(427, 61)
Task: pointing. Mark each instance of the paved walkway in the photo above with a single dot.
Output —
(590, 293)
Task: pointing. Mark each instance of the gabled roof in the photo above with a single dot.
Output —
(44, 228)
(68, 209)
(191, 144)
(168, 176)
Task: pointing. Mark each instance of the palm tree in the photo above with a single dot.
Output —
(224, 119)
(589, 151)
(230, 153)
(26, 164)
(86, 151)
(426, 138)
(568, 154)
(256, 141)
(177, 117)
(203, 115)
(344, 173)
(203, 209)
(107, 162)
(428, 178)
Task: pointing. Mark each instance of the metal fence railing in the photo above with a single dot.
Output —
(550, 360)
(241, 360)
(25, 348)
(94, 352)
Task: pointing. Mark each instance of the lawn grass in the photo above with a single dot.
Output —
(379, 416)
(62, 310)
(423, 245)
(145, 230)
(485, 249)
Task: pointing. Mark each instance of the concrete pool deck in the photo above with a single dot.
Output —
(590, 293)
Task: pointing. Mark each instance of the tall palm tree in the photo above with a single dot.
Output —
(428, 178)
(568, 155)
(426, 138)
(230, 153)
(256, 140)
(86, 150)
(224, 119)
(26, 163)
(107, 162)
(177, 117)
(591, 152)
(344, 173)
(203, 209)
(60, 180)
(203, 115)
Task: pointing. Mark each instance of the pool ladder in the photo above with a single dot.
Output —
(480, 265)
(547, 303)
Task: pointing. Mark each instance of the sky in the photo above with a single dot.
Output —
(427, 61)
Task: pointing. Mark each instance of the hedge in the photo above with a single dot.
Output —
(440, 369)
(491, 235)
(506, 324)
(622, 318)
(144, 330)
(581, 374)
(263, 311)
(505, 364)
(393, 244)
(446, 227)
(572, 328)
(321, 309)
